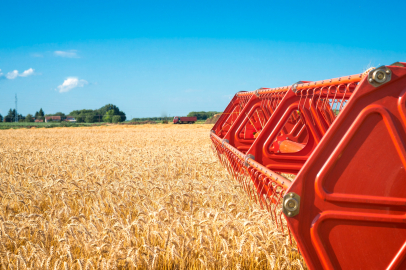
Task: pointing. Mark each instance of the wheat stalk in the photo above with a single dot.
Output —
(144, 197)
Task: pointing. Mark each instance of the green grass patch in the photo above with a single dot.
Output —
(16, 125)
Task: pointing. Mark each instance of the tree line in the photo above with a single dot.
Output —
(202, 115)
(108, 113)
(149, 119)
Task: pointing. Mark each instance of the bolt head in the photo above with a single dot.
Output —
(387, 71)
(291, 204)
(371, 80)
(379, 76)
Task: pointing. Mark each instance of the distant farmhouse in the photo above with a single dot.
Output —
(59, 119)
(70, 119)
(52, 118)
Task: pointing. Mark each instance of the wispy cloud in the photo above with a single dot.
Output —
(27, 72)
(67, 54)
(14, 74)
(70, 83)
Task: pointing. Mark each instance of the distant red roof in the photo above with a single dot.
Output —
(53, 118)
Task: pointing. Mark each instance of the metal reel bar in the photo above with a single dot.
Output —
(262, 185)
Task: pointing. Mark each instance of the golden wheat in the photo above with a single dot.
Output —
(145, 197)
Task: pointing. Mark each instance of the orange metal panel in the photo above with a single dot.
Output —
(345, 138)
(353, 189)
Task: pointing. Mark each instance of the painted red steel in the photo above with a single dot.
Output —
(345, 141)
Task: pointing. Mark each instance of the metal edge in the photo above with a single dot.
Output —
(286, 183)
(397, 64)
(295, 85)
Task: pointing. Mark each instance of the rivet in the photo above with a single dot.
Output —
(289, 213)
(387, 71)
(370, 80)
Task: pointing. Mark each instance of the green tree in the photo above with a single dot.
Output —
(103, 111)
(90, 119)
(84, 112)
(1, 118)
(108, 117)
(61, 114)
(99, 114)
(11, 116)
(202, 115)
(116, 119)
(39, 115)
(29, 118)
(80, 119)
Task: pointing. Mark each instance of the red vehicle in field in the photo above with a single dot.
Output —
(184, 120)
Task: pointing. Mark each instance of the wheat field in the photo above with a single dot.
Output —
(125, 197)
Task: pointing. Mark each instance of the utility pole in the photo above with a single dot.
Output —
(16, 116)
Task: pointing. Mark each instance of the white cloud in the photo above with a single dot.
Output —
(12, 75)
(1, 74)
(27, 72)
(68, 54)
(70, 83)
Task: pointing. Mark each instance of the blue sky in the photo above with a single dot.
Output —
(171, 57)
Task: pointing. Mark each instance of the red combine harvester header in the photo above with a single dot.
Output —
(343, 142)
(184, 120)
